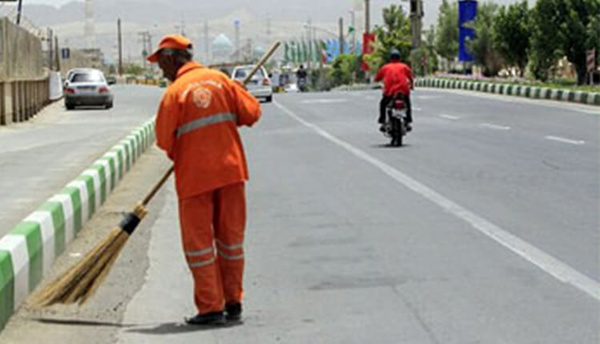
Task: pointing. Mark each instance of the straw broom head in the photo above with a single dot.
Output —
(79, 283)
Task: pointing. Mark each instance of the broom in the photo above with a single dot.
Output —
(81, 282)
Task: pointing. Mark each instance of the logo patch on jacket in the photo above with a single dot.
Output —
(202, 97)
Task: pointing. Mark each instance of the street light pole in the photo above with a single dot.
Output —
(367, 16)
(19, 10)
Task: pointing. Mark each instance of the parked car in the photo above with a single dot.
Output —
(260, 84)
(87, 88)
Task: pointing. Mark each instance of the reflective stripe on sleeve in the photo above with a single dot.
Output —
(205, 121)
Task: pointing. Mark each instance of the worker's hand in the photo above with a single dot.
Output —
(241, 84)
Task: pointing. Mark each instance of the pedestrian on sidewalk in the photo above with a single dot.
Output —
(196, 126)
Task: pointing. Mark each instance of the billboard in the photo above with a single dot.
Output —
(467, 12)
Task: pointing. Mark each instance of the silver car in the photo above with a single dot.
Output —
(87, 88)
(260, 84)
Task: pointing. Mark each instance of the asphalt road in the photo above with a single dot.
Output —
(39, 157)
(482, 229)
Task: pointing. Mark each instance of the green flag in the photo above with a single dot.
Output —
(286, 54)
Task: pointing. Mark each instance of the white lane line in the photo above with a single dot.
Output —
(417, 109)
(564, 140)
(324, 101)
(534, 255)
(494, 126)
(452, 118)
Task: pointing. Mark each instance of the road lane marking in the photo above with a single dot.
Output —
(534, 255)
(417, 109)
(494, 126)
(452, 118)
(564, 140)
(324, 101)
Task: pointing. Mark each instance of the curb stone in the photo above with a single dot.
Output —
(29, 249)
(532, 92)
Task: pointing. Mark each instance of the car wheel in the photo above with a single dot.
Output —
(109, 105)
(70, 106)
(269, 99)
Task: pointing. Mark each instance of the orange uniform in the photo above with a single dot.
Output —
(197, 125)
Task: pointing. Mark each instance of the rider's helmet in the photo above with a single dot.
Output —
(395, 54)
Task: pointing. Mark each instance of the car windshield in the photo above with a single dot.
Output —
(87, 77)
(243, 72)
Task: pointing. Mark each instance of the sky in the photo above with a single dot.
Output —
(430, 5)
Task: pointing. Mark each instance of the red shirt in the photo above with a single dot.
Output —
(397, 78)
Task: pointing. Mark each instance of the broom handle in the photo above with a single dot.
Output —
(166, 176)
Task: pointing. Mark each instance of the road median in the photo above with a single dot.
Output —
(28, 251)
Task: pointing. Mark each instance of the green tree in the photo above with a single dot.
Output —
(395, 34)
(424, 60)
(342, 69)
(563, 28)
(512, 34)
(446, 39)
(482, 46)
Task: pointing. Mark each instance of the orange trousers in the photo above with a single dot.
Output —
(212, 228)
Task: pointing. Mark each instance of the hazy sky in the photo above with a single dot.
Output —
(430, 5)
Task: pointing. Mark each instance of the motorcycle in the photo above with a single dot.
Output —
(302, 84)
(395, 125)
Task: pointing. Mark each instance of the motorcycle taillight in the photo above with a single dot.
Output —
(400, 104)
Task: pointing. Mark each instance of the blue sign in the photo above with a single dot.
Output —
(467, 12)
(65, 53)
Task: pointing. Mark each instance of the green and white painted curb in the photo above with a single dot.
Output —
(531, 92)
(29, 249)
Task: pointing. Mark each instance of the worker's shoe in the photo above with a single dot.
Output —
(214, 318)
(234, 311)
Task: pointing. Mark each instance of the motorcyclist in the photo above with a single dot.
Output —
(397, 80)
(301, 74)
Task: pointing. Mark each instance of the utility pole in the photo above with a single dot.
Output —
(367, 16)
(206, 43)
(57, 53)
(237, 23)
(309, 38)
(416, 16)
(49, 41)
(19, 10)
(269, 28)
(353, 23)
(146, 43)
(342, 36)
(120, 39)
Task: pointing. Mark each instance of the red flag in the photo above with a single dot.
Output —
(368, 39)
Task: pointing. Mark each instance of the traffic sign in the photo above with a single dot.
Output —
(591, 60)
(65, 53)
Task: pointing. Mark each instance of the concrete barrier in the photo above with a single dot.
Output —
(532, 92)
(28, 250)
(22, 99)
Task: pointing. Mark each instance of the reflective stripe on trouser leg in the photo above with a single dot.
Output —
(196, 219)
(229, 224)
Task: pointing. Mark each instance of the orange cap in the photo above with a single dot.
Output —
(173, 42)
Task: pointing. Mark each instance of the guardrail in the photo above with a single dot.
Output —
(22, 99)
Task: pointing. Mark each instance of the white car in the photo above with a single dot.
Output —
(260, 84)
(87, 88)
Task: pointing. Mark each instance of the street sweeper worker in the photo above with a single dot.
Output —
(197, 126)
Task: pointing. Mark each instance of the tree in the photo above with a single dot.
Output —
(512, 34)
(482, 46)
(563, 28)
(424, 60)
(342, 69)
(395, 34)
(446, 42)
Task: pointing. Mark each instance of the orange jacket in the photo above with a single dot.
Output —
(197, 125)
